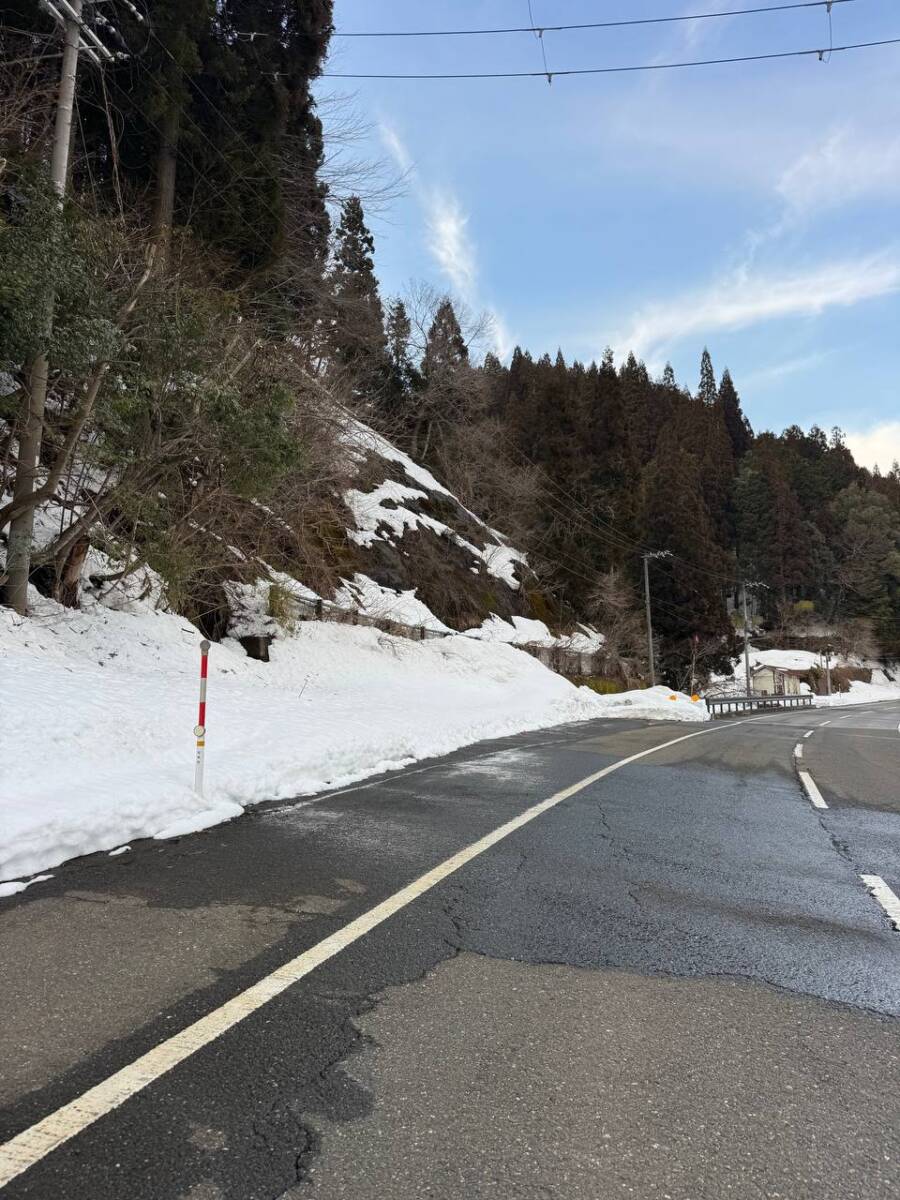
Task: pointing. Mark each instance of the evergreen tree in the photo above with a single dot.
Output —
(398, 397)
(737, 425)
(867, 549)
(447, 386)
(689, 587)
(707, 392)
(263, 112)
(639, 404)
(359, 345)
(445, 346)
(399, 331)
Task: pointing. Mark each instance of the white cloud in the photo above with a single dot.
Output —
(395, 147)
(844, 167)
(449, 242)
(743, 299)
(504, 342)
(841, 169)
(879, 445)
(778, 371)
(448, 238)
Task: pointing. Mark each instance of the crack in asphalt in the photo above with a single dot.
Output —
(288, 1131)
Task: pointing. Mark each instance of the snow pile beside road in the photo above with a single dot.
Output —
(655, 703)
(96, 738)
(862, 693)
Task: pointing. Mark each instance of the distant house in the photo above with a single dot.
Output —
(777, 681)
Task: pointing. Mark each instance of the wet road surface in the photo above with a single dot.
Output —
(672, 982)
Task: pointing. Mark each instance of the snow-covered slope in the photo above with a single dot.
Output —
(97, 742)
(409, 533)
(100, 701)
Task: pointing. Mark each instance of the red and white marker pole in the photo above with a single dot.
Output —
(200, 727)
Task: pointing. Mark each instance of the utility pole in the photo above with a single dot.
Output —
(746, 638)
(646, 557)
(649, 620)
(21, 527)
(78, 38)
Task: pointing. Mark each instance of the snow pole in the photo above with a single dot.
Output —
(200, 727)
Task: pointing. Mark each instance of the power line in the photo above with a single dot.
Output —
(634, 67)
(539, 34)
(540, 29)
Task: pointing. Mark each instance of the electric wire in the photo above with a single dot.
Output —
(820, 53)
(535, 28)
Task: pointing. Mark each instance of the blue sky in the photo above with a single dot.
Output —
(752, 208)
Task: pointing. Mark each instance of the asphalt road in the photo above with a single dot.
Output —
(670, 983)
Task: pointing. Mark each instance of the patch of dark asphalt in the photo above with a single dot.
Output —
(552, 1082)
(612, 878)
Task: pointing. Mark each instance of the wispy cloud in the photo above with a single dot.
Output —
(449, 240)
(395, 147)
(689, 36)
(844, 167)
(743, 298)
(779, 371)
(877, 446)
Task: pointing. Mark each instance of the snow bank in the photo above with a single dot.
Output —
(99, 707)
(654, 704)
(524, 631)
(860, 693)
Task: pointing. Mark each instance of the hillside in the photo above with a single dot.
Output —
(98, 744)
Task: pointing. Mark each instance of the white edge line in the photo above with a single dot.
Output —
(34, 1143)
(798, 750)
(885, 897)
(809, 733)
(811, 790)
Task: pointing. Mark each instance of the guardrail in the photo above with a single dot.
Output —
(723, 706)
(557, 658)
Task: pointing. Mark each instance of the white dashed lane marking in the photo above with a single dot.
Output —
(885, 897)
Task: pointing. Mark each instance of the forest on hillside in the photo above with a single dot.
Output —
(215, 306)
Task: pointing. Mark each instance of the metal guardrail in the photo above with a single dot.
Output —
(723, 706)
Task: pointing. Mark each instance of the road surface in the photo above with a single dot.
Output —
(606, 960)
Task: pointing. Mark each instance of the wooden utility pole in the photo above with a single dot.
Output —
(78, 38)
(646, 558)
(31, 425)
(746, 639)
